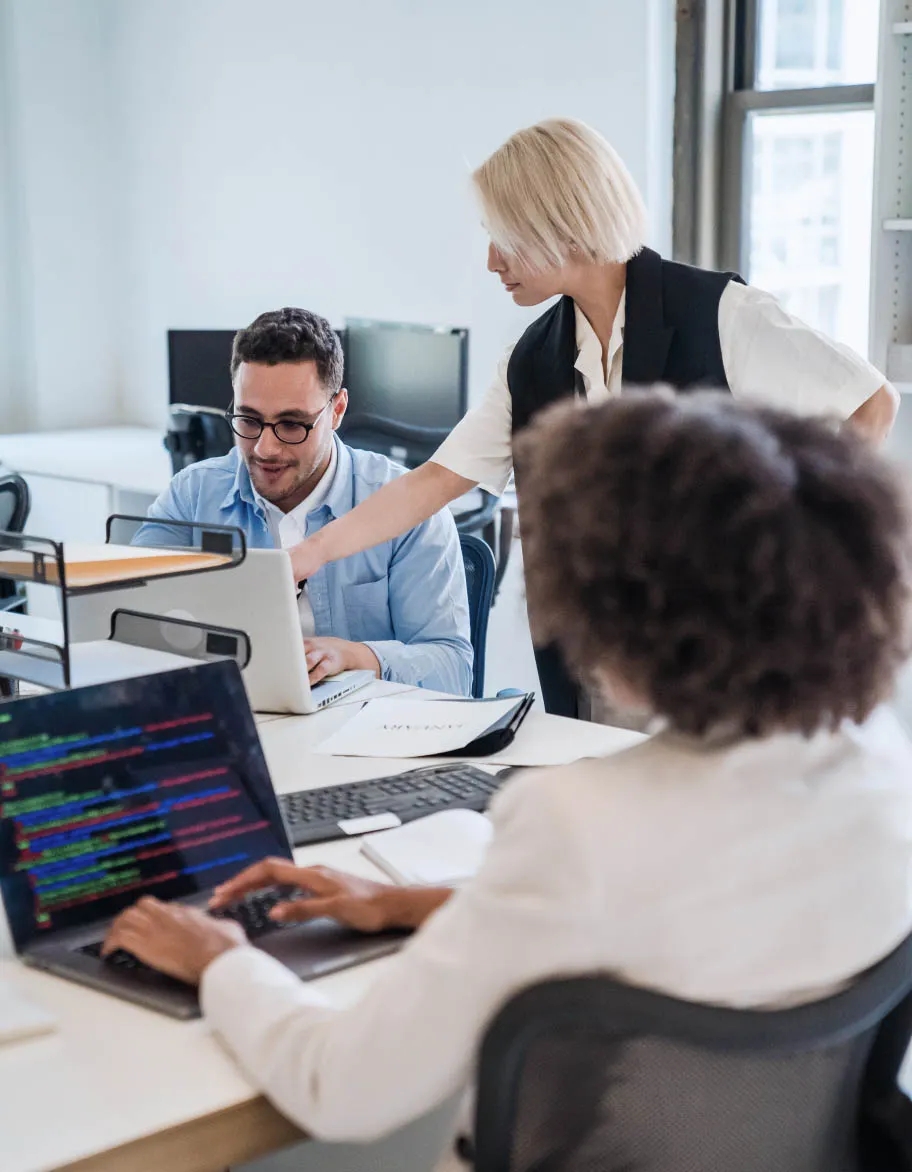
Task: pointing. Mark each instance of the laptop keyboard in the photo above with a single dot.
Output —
(313, 815)
(252, 913)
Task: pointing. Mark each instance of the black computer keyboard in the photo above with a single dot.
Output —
(251, 912)
(313, 815)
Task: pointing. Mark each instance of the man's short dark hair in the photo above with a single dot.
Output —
(291, 335)
(744, 569)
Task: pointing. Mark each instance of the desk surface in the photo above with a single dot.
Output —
(131, 458)
(118, 1087)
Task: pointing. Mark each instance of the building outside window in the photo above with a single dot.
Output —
(809, 170)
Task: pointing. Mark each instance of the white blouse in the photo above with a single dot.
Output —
(769, 357)
(761, 874)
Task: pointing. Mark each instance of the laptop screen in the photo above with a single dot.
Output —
(150, 786)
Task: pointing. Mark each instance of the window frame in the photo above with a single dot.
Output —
(716, 94)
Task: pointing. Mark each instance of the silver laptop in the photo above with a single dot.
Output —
(258, 597)
(149, 786)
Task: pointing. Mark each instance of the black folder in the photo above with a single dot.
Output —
(501, 732)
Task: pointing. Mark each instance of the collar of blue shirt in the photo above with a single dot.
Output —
(340, 498)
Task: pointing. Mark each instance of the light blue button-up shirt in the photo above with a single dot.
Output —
(406, 598)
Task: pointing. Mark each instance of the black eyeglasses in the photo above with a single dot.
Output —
(286, 431)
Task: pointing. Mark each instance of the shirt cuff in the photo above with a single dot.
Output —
(855, 391)
(240, 977)
(386, 670)
(489, 473)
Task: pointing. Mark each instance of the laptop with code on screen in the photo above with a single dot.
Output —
(148, 786)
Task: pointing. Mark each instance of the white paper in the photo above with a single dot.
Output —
(556, 740)
(440, 850)
(77, 553)
(398, 727)
(369, 823)
(381, 689)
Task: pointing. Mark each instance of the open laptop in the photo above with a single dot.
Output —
(258, 597)
(148, 786)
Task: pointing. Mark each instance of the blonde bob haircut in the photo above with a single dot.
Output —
(556, 190)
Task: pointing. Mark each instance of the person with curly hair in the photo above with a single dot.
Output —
(742, 575)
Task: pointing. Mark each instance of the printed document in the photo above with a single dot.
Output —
(414, 728)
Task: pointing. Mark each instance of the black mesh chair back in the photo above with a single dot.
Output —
(411, 446)
(197, 433)
(588, 1075)
(480, 571)
(15, 502)
(402, 442)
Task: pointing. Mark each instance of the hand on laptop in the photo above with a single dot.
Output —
(183, 941)
(327, 656)
(180, 941)
(360, 903)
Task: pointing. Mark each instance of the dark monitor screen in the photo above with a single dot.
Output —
(408, 373)
(199, 367)
(151, 786)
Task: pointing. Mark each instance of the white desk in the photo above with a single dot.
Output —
(132, 458)
(78, 478)
(118, 1088)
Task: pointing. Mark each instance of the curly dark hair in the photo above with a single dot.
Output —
(291, 335)
(744, 569)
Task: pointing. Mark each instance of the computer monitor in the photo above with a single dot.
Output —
(199, 367)
(412, 374)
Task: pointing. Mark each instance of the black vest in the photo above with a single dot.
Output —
(671, 335)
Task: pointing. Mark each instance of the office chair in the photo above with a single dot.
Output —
(587, 1074)
(481, 520)
(15, 503)
(411, 446)
(196, 433)
(403, 442)
(479, 568)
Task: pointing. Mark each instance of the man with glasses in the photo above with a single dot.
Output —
(399, 609)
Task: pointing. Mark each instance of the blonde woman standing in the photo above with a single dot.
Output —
(565, 219)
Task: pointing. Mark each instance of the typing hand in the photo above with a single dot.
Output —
(177, 940)
(327, 657)
(359, 903)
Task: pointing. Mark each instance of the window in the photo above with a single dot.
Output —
(802, 43)
(798, 157)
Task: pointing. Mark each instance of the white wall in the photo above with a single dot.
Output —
(10, 382)
(219, 157)
(62, 200)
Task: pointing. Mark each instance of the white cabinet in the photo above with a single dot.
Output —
(68, 510)
(79, 478)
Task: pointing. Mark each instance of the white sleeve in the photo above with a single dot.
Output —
(360, 1072)
(480, 446)
(776, 359)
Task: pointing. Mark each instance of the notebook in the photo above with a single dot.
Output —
(442, 850)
